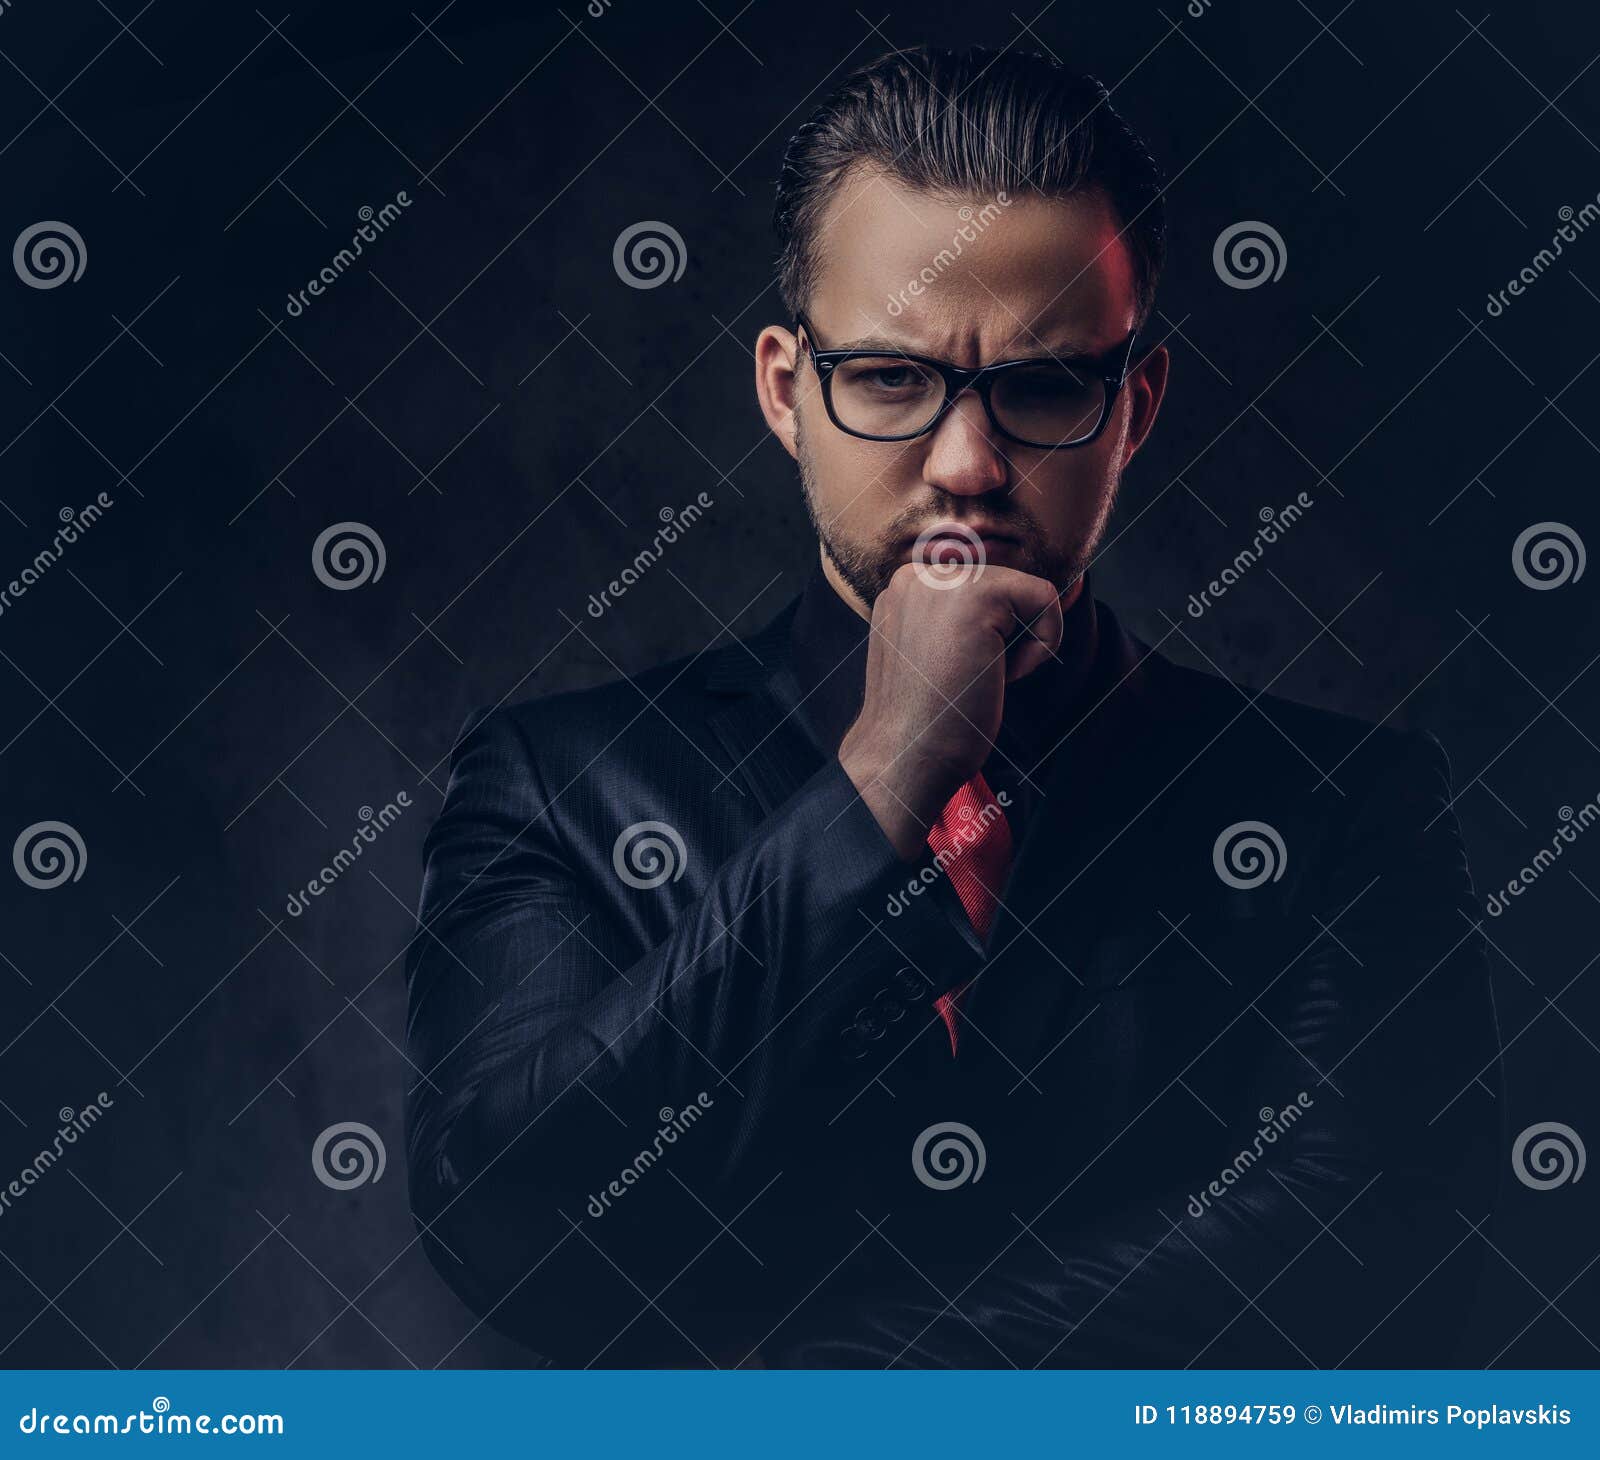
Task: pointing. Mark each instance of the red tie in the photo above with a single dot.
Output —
(974, 841)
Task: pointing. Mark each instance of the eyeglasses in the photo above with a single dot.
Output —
(1043, 402)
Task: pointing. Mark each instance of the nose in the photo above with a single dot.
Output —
(964, 455)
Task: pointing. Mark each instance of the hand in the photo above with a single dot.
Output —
(937, 668)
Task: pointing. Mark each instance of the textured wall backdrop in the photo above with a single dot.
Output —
(485, 396)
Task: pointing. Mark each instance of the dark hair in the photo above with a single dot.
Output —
(972, 122)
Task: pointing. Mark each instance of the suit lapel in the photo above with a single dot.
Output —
(757, 720)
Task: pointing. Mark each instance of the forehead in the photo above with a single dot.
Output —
(970, 276)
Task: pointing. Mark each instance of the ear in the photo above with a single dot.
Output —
(1145, 386)
(776, 386)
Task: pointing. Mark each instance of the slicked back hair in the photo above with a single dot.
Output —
(973, 123)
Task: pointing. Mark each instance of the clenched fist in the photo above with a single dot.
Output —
(940, 657)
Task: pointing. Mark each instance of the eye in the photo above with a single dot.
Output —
(893, 377)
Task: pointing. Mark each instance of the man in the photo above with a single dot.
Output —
(944, 977)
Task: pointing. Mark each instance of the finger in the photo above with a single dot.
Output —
(1037, 640)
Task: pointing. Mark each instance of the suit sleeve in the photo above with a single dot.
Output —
(1356, 1222)
(545, 1059)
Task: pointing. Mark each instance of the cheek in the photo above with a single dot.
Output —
(858, 481)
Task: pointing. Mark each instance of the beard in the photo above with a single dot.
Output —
(867, 566)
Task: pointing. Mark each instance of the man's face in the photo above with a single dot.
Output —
(1030, 277)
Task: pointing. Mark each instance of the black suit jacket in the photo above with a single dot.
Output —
(688, 1113)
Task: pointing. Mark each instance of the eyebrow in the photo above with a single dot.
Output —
(873, 344)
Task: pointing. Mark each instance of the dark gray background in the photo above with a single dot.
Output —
(485, 393)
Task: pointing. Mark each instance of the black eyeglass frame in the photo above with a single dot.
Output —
(1112, 369)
